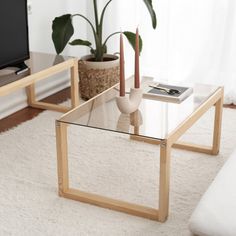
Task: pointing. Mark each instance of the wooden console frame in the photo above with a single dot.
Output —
(29, 81)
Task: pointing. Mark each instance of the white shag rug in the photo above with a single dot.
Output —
(106, 163)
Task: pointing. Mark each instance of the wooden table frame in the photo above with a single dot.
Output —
(160, 214)
(29, 81)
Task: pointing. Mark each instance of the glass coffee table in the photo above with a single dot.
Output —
(156, 122)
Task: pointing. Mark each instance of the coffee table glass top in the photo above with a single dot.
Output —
(37, 63)
(154, 119)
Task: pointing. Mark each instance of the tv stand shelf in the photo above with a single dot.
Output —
(41, 66)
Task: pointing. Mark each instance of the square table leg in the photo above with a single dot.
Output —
(217, 125)
(74, 91)
(30, 92)
(98, 200)
(216, 100)
(165, 149)
(62, 157)
(74, 85)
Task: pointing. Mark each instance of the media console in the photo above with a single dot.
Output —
(41, 66)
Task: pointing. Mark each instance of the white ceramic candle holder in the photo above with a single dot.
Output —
(130, 104)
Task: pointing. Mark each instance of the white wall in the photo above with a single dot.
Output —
(43, 12)
(40, 20)
(80, 26)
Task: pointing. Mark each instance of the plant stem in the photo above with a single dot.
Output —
(105, 42)
(93, 29)
(90, 23)
(98, 37)
(96, 13)
(102, 16)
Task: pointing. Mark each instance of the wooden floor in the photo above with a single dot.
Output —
(29, 113)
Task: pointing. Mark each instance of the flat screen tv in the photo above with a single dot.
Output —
(14, 42)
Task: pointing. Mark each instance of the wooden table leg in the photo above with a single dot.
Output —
(74, 90)
(217, 125)
(30, 92)
(62, 157)
(165, 149)
(74, 85)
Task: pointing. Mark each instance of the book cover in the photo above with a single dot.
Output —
(165, 92)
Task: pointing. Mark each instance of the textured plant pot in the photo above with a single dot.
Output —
(95, 77)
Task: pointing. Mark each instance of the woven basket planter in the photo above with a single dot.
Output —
(96, 77)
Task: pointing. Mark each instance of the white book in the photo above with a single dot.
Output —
(166, 92)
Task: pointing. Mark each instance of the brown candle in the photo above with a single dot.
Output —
(122, 67)
(136, 73)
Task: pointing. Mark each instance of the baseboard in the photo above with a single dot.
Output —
(18, 100)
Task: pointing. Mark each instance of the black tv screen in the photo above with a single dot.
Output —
(14, 45)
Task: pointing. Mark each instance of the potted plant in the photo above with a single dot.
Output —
(99, 70)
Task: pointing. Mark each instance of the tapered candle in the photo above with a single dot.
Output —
(136, 71)
(122, 67)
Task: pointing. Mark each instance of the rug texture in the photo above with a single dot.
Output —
(105, 163)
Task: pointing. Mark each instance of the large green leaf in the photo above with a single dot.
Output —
(148, 3)
(62, 30)
(132, 38)
(81, 42)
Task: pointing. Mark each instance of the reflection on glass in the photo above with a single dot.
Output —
(58, 59)
(130, 122)
(37, 62)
